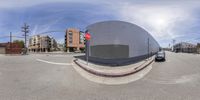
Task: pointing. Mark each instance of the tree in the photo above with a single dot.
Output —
(20, 42)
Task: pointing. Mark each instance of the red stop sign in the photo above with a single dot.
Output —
(87, 36)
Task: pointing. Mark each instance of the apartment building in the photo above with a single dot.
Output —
(74, 40)
(185, 47)
(42, 44)
(34, 43)
(53, 45)
(198, 48)
(45, 44)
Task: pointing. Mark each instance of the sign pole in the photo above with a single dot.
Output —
(87, 38)
(87, 50)
(148, 48)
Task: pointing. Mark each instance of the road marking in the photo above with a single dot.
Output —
(55, 63)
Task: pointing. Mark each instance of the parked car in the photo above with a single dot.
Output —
(160, 56)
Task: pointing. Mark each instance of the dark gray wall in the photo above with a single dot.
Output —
(110, 51)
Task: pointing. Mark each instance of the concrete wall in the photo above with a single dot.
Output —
(123, 33)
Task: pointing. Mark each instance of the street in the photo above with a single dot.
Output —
(52, 77)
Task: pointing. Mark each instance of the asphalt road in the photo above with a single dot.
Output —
(29, 78)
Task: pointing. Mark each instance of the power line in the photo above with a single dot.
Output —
(31, 35)
(4, 37)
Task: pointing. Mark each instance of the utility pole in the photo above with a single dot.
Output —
(10, 41)
(25, 29)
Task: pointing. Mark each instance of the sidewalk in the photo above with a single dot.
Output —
(107, 71)
(54, 53)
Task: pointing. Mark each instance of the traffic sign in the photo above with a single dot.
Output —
(87, 36)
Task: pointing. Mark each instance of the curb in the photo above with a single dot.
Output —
(111, 75)
(13, 55)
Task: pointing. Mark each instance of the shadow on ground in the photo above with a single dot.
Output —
(113, 62)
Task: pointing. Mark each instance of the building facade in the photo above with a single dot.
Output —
(10, 48)
(198, 48)
(53, 45)
(118, 42)
(185, 47)
(42, 44)
(34, 43)
(3, 48)
(45, 44)
(74, 40)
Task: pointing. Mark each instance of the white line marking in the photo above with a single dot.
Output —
(55, 63)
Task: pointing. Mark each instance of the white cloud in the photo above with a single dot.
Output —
(27, 3)
(159, 20)
(159, 17)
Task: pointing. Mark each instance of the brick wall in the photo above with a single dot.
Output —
(13, 48)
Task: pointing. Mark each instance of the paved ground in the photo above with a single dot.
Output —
(26, 78)
(105, 74)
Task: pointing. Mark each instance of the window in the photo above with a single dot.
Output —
(70, 37)
(70, 42)
(81, 37)
(70, 33)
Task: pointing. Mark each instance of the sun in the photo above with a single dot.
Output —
(159, 22)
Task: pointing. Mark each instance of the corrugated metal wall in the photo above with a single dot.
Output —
(123, 33)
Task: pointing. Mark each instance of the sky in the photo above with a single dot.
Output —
(165, 20)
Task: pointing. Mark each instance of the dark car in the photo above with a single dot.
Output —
(160, 56)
